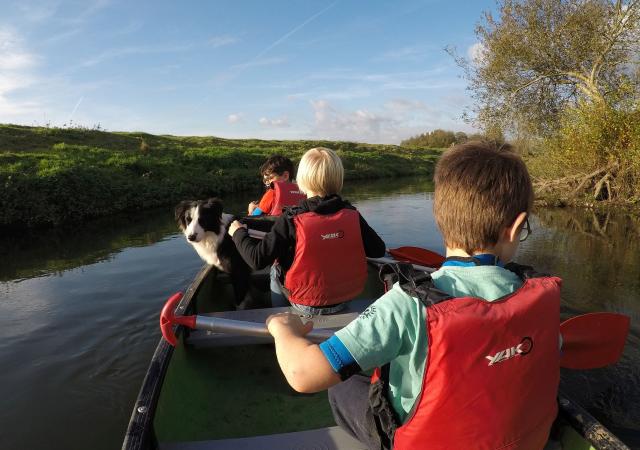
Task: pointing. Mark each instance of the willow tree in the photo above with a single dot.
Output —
(539, 56)
(556, 69)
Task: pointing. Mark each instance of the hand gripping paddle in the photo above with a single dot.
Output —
(219, 325)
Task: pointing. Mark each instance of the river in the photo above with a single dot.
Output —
(79, 308)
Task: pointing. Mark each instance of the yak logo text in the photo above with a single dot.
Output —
(336, 235)
(523, 348)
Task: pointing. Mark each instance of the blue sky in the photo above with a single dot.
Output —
(370, 71)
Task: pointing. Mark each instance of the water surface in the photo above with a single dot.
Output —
(79, 308)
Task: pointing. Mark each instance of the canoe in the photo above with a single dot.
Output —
(217, 391)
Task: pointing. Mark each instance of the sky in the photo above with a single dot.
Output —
(366, 71)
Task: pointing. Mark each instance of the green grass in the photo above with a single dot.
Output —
(50, 176)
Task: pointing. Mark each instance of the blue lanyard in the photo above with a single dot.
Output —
(484, 259)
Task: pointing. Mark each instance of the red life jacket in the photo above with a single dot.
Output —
(285, 194)
(491, 376)
(329, 264)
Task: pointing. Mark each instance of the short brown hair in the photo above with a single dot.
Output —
(320, 171)
(277, 165)
(480, 188)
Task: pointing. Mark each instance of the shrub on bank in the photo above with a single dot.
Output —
(50, 176)
(594, 156)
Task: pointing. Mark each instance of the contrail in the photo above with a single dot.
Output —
(75, 108)
(243, 66)
(286, 36)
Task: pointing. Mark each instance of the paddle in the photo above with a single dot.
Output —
(417, 255)
(593, 340)
(589, 341)
(218, 325)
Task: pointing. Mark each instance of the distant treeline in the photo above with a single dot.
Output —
(50, 175)
(440, 139)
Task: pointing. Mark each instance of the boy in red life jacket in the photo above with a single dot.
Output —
(276, 168)
(469, 354)
(320, 246)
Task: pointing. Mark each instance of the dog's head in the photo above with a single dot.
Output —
(195, 218)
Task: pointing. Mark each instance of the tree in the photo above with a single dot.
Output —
(541, 56)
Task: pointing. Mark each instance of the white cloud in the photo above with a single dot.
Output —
(126, 51)
(234, 118)
(38, 11)
(12, 54)
(358, 125)
(476, 52)
(221, 41)
(406, 54)
(398, 119)
(275, 123)
(404, 105)
(16, 63)
(258, 62)
(439, 77)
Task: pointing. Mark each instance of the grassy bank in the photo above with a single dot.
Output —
(51, 176)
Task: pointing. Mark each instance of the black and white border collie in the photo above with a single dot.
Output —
(205, 227)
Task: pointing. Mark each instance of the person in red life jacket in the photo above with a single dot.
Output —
(277, 171)
(468, 354)
(320, 246)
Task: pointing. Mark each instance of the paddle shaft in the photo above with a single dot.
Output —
(243, 328)
(572, 358)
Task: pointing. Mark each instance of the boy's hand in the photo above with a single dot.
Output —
(251, 207)
(282, 323)
(234, 227)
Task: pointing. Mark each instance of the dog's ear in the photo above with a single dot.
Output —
(215, 205)
(180, 211)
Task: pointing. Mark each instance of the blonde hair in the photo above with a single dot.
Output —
(320, 171)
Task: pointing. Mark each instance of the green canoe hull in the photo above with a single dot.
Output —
(214, 392)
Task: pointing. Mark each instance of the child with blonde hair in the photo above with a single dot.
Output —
(319, 247)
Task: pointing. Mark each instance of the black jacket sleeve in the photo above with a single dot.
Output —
(276, 244)
(374, 246)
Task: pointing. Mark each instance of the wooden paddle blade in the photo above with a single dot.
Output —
(417, 255)
(593, 340)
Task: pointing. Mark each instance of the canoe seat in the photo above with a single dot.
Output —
(331, 438)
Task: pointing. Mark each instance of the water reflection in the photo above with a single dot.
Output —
(597, 253)
(598, 257)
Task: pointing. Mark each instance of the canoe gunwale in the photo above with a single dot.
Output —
(139, 435)
(588, 426)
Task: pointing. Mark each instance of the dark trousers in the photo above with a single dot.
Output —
(349, 402)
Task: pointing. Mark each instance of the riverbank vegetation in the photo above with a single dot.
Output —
(440, 139)
(52, 175)
(561, 78)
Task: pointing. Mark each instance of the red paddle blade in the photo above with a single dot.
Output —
(593, 340)
(168, 319)
(417, 255)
